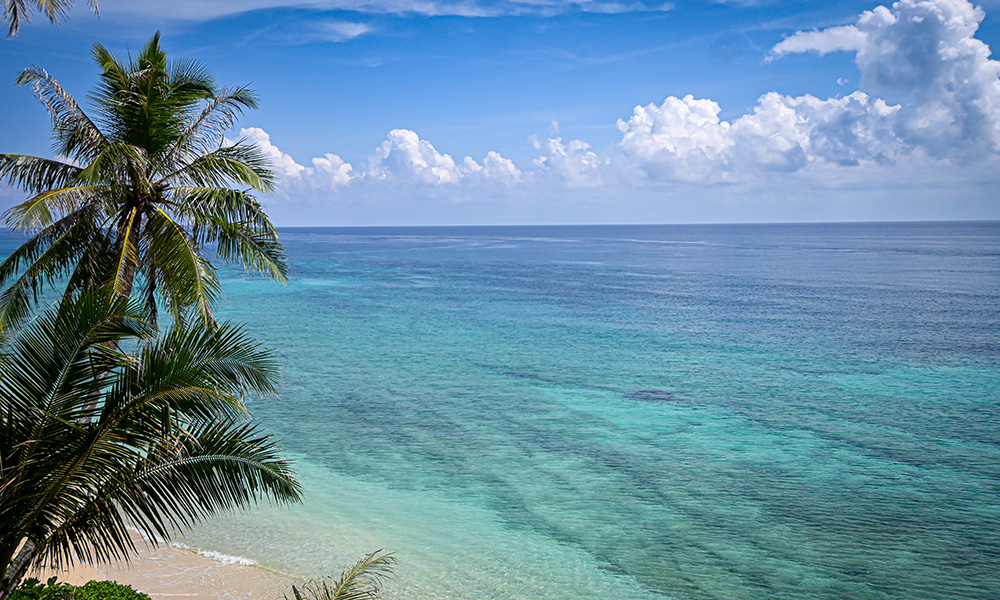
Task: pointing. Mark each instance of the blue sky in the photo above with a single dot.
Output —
(397, 112)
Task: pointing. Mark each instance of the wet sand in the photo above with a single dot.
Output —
(167, 573)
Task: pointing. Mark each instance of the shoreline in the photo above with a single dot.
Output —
(166, 572)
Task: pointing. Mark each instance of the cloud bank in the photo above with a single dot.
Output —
(922, 53)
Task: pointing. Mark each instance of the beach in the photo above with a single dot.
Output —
(166, 572)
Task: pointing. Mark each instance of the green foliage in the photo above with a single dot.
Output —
(32, 589)
(15, 11)
(148, 182)
(108, 590)
(94, 438)
(363, 580)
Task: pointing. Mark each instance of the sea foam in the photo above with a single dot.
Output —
(226, 559)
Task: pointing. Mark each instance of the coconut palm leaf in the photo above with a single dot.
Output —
(32, 172)
(16, 11)
(237, 224)
(203, 134)
(189, 278)
(73, 131)
(241, 163)
(93, 438)
(50, 254)
(362, 580)
(41, 210)
(152, 174)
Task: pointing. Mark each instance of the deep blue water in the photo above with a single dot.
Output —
(637, 412)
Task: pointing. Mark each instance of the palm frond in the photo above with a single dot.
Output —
(241, 163)
(55, 10)
(205, 132)
(187, 278)
(15, 11)
(362, 580)
(237, 223)
(120, 163)
(52, 204)
(36, 174)
(94, 437)
(76, 135)
(127, 254)
(195, 372)
(49, 254)
(51, 371)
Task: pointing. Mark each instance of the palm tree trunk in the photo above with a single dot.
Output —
(17, 568)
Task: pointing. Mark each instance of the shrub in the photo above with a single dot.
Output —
(32, 589)
(108, 590)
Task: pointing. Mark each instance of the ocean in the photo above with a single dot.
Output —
(800, 411)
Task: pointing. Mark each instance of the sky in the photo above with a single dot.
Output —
(479, 112)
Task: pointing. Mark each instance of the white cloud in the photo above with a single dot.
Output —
(681, 139)
(946, 124)
(404, 155)
(924, 51)
(573, 163)
(342, 31)
(403, 158)
(205, 10)
(283, 164)
(328, 172)
(495, 169)
(834, 39)
(921, 50)
(331, 171)
(684, 139)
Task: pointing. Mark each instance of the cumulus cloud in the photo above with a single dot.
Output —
(681, 139)
(834, 39)
(684, 139)
(495, 168)
(403, 158)
(404, 155)
(922, 53)
(282, 163)
(331, 171)
(573, 163)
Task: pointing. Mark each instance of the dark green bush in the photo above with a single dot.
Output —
(108, 590)
(32, 589)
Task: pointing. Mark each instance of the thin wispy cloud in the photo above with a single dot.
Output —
(205, 10)
(342, 31)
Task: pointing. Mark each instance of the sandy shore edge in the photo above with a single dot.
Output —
(167, 573)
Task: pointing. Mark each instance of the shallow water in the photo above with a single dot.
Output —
(641, 412)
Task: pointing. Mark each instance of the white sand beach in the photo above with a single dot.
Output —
(166, 573)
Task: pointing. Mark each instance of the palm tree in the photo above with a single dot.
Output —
(142, 188)
(167, 442)
(14, 11)
(362, 580)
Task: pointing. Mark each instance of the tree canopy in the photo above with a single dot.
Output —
(94, 438)
(15, 11)
(140, 189)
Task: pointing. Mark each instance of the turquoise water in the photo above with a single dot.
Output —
(637, 413)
